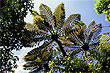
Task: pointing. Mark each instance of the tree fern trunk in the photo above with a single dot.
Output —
(61, 48)
(85, 53)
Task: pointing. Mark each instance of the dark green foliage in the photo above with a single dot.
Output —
(105, 48)
(7, 60)
(103, 6)
(12, 13)
(71, 64)
(101, 53)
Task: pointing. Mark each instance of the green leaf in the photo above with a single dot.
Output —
(90, 26)
(38, 58)
(40, 22)
(96, 30)
(31, 27)
(45, 11)
(34, 13)
(71, 20)
(60, 15)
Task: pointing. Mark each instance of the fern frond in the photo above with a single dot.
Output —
(96, 30)
(59, 15)
(45, 11)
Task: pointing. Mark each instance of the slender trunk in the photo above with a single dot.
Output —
(61, 48)
(85, 53)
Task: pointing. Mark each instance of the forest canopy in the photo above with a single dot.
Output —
(12, 13)
(103, 6)
(63, 44)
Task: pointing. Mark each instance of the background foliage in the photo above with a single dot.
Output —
(103, 6)
(12, 13)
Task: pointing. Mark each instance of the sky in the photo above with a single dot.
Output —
(84, 7)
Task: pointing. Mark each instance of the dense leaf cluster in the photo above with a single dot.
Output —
(103, 6)
(105, 47)
(12, 13)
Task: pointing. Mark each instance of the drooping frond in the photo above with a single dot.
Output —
(60, 15)
(95, 42)
(105, 38)
(88, 30)
(96, 30)
(34, 13)
(72, 37)
(35, 28)
(33, 52)
(45, 11)
(40, 61)
(69, 25)
(28, 34)
(78, 41)
(38, 58)
(31, 27)
(39, 35)
(74, 52)
(79, 29)
(76, 32)
(67, 41)
(41, 23)
(27, 38)
(72, 19)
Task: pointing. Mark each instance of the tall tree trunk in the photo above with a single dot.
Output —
(61, 48)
